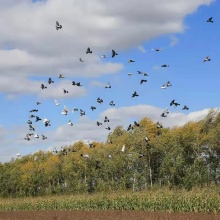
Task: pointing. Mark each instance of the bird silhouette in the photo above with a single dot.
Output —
(50, 81)
(210, 20)
(58, 26)
(88, 50)
(134, 94)
(114, 53)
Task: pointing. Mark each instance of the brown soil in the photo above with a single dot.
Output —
(104, 215)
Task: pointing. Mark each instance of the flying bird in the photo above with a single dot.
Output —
(114, 53)
(106, 119)
(33, 110)
(164, 65)
(93, 108)
(112, 103)
(82, 112)
(61, 76)
(164, 86)
(130, 74)
(98, 123)
(65, 111)
(174, 103)
(37, 119)
(56, 102)
(75, 110)
(43, 86)
(143, 80)
(50, 81)
(131, 61)
(136, 124)
(210, 20)
(168, 84)
(157, 49)
(81, 60)
(108, 86)
(99, 100)
(206, 59)
(103, 56)
(134, 94)
(107, 127)
(58, 26)
(43, 137)
(65, 91)
(76, 84)
(185, 108)
(70, 123)
(88, 50)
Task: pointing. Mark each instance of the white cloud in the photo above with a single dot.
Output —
(173, 40)
(141, 48)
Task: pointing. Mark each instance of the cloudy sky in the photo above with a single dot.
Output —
(32, 50)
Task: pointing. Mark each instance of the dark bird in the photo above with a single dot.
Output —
(93, 108)
(99, 100)
(114, 53)
(29, 122)
(164, 65)
(163, 114)
(112, 103)
(131, 61)
(130, 127)
(46, 122)
(58, 26)
(136, 124)
(106, 119)
(65, 91)
(76, 84)
(37, 119)
(143, 80)
(33, 110)
(134, 94)
(210, 20)
(185, 108)
(81, 60)
(38, 103)
(61, 76)
(44, 137)
(31, 128)
(43, 86)
(207, 59)
(31, 116)
(82, 112)
(50, 81)
(88, 50)
(174, 103)
(158, 49)
(107, 127)
(168, 84)
(98, 123)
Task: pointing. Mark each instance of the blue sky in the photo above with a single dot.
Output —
(32, 50)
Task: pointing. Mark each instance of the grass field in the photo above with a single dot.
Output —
(162, 200)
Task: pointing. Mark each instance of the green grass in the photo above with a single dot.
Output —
(198, 200)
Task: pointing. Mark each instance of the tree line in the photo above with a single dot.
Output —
(145, 156)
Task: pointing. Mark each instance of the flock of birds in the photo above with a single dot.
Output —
(106, 120)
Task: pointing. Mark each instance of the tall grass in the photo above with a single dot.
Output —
(198, 200)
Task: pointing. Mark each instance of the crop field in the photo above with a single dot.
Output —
(152, 204)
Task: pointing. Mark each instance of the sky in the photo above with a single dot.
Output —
(32, 50)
